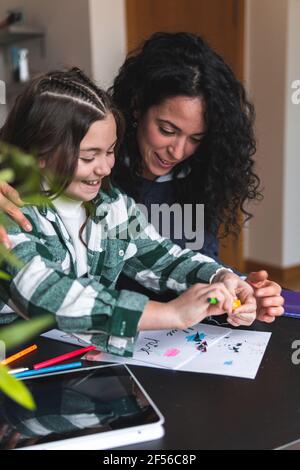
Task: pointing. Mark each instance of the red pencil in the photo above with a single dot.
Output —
(63, 357)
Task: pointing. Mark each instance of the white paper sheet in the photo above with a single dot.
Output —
(236, 353)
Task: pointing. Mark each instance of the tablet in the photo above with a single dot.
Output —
(294, 445)
(92, 408)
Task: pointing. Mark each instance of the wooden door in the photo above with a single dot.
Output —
(221, 23)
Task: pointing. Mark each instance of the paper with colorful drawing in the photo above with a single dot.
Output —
(167, 348)
(201, 348)
(238, 355)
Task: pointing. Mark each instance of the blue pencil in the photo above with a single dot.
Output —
(45, 370)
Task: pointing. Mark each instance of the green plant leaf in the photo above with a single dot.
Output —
(5, 276)
(24, 330)
(36, 200)
(22, 170)
(10, 258)
(15, 389)
(7, 175)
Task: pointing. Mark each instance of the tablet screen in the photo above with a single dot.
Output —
(75, 404)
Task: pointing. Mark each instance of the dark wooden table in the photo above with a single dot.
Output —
(205, 411)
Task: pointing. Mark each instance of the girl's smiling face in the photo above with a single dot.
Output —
(96, 159)
(169, 133)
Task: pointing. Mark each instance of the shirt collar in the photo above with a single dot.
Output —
(169, 176)
(67, 206)
(99, 206)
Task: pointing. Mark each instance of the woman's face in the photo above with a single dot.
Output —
(96, 159)
(169, 133)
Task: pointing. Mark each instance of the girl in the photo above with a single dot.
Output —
(90, 232)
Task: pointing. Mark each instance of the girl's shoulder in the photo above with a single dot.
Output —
(112, 197)
(31, 213)
(113, 204)
(30, 210)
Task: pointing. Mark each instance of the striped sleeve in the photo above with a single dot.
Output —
(161, 265)
(106, 316)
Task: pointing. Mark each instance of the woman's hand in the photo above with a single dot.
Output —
(267, 294)
(9, 203)
(246, 313)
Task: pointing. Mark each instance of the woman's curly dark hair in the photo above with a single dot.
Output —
(222, 176)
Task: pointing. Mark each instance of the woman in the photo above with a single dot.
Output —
(189, 140)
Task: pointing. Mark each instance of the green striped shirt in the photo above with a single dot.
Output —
(119, 239)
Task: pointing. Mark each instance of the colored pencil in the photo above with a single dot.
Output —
(46, 370)
(18, 355)
(63, 357)
(213, 301)
(16, 371)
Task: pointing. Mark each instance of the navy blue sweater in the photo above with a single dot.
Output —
(162, 191)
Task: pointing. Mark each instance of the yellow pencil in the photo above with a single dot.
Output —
(236, 304)
(16, 356)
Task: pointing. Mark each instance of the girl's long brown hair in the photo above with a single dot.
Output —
(52, 116)
(50, 119)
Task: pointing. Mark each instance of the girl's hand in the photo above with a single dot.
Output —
(246, 313)
(192, 306)
(187, 310)
(9, 203)
(267, 293)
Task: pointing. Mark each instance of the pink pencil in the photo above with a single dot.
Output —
(63, 357)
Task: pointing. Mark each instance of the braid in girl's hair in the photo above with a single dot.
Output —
(79, 76)
(65, 85)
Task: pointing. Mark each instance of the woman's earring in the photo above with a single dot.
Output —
(134, 124)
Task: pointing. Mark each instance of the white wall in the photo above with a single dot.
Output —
(66, 23)
(108, 39)
(86, 33)
(272, 62)
(291, 222)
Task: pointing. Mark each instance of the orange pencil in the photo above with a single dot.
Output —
(18, 355)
